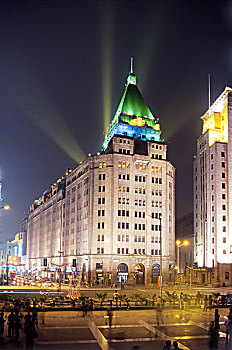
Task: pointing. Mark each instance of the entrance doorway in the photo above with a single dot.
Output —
(139, 273)
(155, 272)
(122, 273)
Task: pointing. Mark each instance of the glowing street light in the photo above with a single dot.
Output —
(5, 207)
(179, 244)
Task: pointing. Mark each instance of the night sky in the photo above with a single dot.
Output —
(63, 67)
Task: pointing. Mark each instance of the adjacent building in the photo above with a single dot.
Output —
(212, 172)
(103, 220)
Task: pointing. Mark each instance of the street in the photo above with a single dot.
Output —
(144, 328)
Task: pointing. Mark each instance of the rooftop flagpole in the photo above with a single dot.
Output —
(209, 90)
(132, 61)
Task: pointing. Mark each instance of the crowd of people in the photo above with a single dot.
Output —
(15, 322)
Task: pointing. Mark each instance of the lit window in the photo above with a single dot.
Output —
(104, 165)
(119, 164)
(123, 164)
(100, 165)
(128, 165)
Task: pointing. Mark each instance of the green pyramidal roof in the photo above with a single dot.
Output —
(133, 118)
(132, 102)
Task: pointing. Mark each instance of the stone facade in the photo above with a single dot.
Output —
(106, 212)
(213, 185)
(102, 221)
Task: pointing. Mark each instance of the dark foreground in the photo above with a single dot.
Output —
(145, 328)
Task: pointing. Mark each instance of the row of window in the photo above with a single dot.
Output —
(123, 200)
(123, 238)
(136, 251)
(124, 176)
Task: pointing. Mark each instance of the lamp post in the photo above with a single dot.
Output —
(179, 244)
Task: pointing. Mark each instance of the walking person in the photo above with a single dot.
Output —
(116, 297)
(110, 316)
(198, 298)
(17, 324)
(11, 324)
(30, 331)
(216, 320)
(168, 345)
(213, 336)
(210, 302)
(175, 346)
(158, 304)
(2, 321)
(228, 324)
(205, 303)
(181, 298)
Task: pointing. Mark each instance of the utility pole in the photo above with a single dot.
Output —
(60, 252)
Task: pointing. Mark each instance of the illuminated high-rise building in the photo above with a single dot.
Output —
(103, 218)
(213, 185)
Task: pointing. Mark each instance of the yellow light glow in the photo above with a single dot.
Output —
(186, 242)
(178, 242)
(176, 267)
(6, 207)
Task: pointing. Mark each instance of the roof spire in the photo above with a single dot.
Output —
(132, 63)
(131, 78)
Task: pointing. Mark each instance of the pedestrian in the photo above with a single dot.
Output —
(216, 320)
(11, 324)
(2, 321)
(228, 324)
(205, 303)
(84, 308)
(158, 303)
(213, 336)
(175, 346)
(116, 297)
(181, 298)
(230, 312)
(210, 302)
(198, 298)
(168, 345)
(110, 316)
(91, 305)
(185, 301)
(17, 324)
(128, 304)
(31, 334)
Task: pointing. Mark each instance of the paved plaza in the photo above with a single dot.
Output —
(144, 328)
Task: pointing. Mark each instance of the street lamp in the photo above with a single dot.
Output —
(5, 207)
(179, 244)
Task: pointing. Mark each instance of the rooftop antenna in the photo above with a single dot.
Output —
(209, 90)
(132, 63)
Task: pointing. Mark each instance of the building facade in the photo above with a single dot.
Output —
(212, 171)
(102, 220)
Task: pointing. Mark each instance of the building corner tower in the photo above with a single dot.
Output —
(212, 171)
